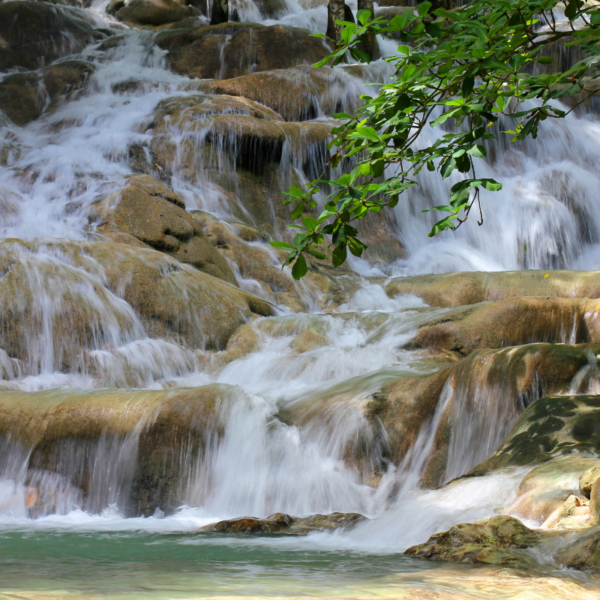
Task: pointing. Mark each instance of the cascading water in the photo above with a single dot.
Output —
(129, 412)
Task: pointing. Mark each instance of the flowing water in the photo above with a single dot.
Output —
(289, 412)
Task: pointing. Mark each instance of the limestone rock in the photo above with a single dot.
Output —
(574, 513)
(587, 480)
(544, 490)
(497, 541)
(35, 34)
(583, 553)
(460, 289)
(71, 308)
(550, 427)
(297, 94)
(280, 523)
(153, 12)
(234, 49)
(22, 98)
(499, 382)
(513, 321)
(63, 80)
(157, 423)
(154, 214)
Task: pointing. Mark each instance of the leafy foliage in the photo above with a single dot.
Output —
(464, 69)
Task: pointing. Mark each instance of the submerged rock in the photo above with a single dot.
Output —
(460, 289)
(151, 212)
(583, 553)
(233, 49)
(285, 524)
(499, 541)
(35, 34)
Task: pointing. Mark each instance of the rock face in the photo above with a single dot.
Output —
(479, 398)
(55, 321)
(151, 426)
(35, 34)
(551, 427)
(496, 541)
(280, 523)
(149, 211)
(153, 12)
(234, 49)
(459, 289)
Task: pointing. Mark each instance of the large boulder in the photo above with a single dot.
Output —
(34, 34)
(101, 296)
(552, 426)
(149, 211)
(145, 430)
(297, 94)
(514, 321)
(470, 408)
(459, 289)
(153, 12)
(24, 96)
(499, 541)
(234, 49)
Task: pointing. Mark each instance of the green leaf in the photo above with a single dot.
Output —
(283, 245)
(478, 151)
(300, 267)
(423, 8)
(545, 60)
(339, 255)
(491, 184)
(316, 254)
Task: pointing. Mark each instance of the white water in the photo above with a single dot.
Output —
(547, 216)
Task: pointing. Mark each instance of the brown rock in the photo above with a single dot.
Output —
(210, 53)
(37, 33)
(153, 12)
(64, 79)
(460, 289)
(154, 214)
(22, 97)
(587, 480)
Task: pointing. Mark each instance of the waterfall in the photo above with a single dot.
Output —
(142, 391)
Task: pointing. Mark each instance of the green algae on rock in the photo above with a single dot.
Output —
(552, 426)
(499, 541)
(280, 523)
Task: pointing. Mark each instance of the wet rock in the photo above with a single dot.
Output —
(574, 513)
(459, 289)
(22, 98)
(151, 426)
(297, 94)
(35, 34)
(234, 49)
(152, 12)
(587, 480)
(499, 541)
(155, 215)
(514, 321)
(52, 321)
(285, 524)
(583, 553)
(552, 426)
(487, 382)
(545, 490)
(64, 80)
